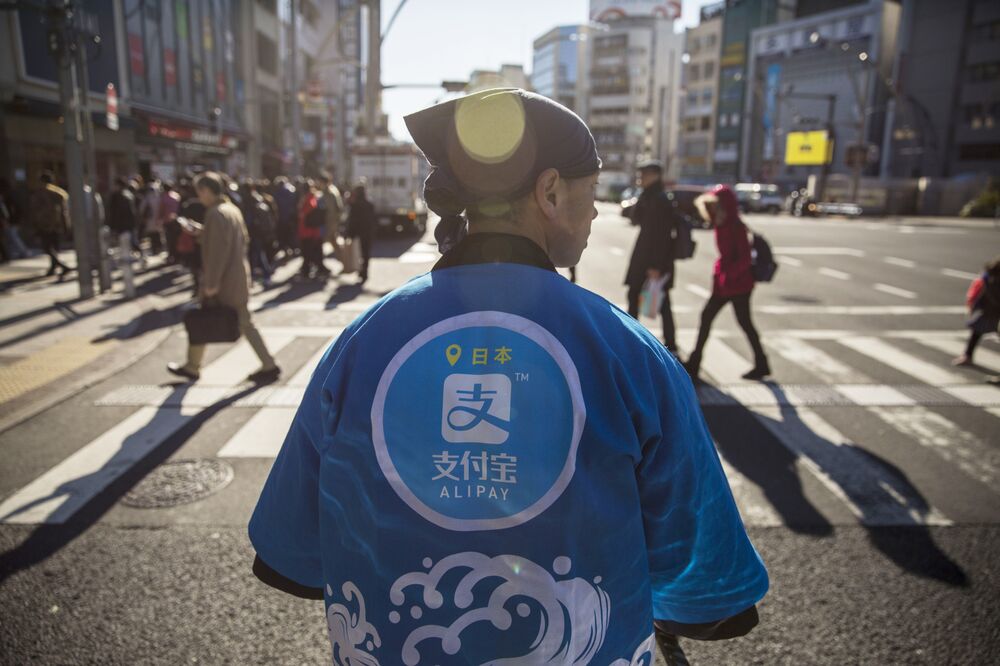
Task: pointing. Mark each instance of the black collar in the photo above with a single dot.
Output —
(493, 248)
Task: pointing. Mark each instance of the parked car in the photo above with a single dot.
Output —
(759, 198)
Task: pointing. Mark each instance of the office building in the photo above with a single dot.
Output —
(700, 94)
(561, 66)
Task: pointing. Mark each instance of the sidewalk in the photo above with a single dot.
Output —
(52, 344)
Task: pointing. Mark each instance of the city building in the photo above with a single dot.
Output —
(740, 18)
(700, 94)
(826, 71)
(945, 113)
(635, 81)
(561, 66)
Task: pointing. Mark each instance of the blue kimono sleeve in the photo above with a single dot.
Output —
(702, 565)
(284, 528)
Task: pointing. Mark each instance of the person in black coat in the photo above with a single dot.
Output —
(653, 255)
(361, 225)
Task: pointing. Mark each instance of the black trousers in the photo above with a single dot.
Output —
(669, 335)
(50, 246)
(367, 240)
(741, 305)
(312, 256)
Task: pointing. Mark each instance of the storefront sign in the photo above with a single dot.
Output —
(111, 116)
(190, 134)
(808, 148)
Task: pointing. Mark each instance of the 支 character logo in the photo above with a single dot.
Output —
(476, 409)
(477, 419)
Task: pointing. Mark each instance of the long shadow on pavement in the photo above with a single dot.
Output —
(47, 539)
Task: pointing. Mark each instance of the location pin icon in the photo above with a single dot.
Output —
(453, 352)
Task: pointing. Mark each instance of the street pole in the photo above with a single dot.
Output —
(61, 46)
(862, 130)
(824, 172)
(96, 238)
(294, 78)
(373, 77)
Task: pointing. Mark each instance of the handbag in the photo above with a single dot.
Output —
(348, 253)
(651, 296)
(211, 322)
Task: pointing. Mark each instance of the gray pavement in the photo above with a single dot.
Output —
(865, 472)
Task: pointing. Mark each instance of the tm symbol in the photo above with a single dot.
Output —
(521, 376)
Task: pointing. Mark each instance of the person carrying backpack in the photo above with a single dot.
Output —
(733, 278)
(983, 301)
(654, 252)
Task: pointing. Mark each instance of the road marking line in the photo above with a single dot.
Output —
(723, 364)
(935, 432)
(312, 306)
(262, 435)
(954, 346)
(902, 361)
(754, 509)
(961, 275)
(790, 261)
(896, 261)
(834, 273)
(895, 291)
(980, 396)
(698, 290)
(868, 395)
(872, 493)
(816, 361)
(233, 367)
(64, 489)
(861, 310)
(822, 250)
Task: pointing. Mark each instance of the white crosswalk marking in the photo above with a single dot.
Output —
(698, 290)
(304, 374)
(64, 489)
(834, 273)
(875, 394)
(896, 261)
(262, 435)
(873, 493)
(902, 361)
(953, 346)
(786, 260)
(754, 509)
(821, 251)
(816, 361)
(722, 364)
(894, 291)
(961, 275)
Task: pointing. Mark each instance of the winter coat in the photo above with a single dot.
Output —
(122, 216)
(50, 210)
(654, 246)
(224, 255)
(309, 203)
(733, 274)
(361, 219)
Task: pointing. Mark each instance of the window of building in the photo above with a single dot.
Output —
(693, 72)
(734, 119)
(980, 152)
(724, 120)
(267, 54)
(692, 98)
(709, 70)
(987, 32)
(706, 96)
(706, 123)
(987, 71)
(710, 41)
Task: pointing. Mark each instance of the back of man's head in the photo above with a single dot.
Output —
(211, 181)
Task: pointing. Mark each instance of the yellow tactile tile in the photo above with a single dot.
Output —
(42, 367)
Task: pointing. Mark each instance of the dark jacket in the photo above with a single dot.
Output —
(361, 218)
(122, 215)
(654, 247)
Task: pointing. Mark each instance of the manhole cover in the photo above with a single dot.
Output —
(179, 482)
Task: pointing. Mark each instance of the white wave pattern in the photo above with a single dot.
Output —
(573, 614)
(643, 655)
(352, 637)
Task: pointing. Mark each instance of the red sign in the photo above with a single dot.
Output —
(170, 67)
(220, 87)
(179, 133)
(136, 55)
(112, 108)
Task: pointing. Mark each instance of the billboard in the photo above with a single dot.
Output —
(808, 148)
(611, 10)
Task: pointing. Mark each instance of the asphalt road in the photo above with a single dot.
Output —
(866, 471)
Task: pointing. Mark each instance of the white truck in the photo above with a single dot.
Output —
(393, 183)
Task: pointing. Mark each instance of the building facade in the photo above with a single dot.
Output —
(561, 66)
(799, 71)
(700, 95)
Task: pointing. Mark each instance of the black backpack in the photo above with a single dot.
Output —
(762, 261)
(684, 244)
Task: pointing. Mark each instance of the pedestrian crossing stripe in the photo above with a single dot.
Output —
(786, 410)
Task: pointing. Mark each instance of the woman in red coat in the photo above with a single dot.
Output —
(732, 279)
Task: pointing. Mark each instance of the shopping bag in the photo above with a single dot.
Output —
(211, 323)
(651, 296)
(348, 253)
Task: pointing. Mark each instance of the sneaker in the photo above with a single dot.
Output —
(265, 375)
(962, 360)
(182, 371)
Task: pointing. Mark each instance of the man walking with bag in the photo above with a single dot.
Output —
(50, 209)
(225, 276)
(653, 255)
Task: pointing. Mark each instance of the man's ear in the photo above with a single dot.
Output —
(546, 188)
